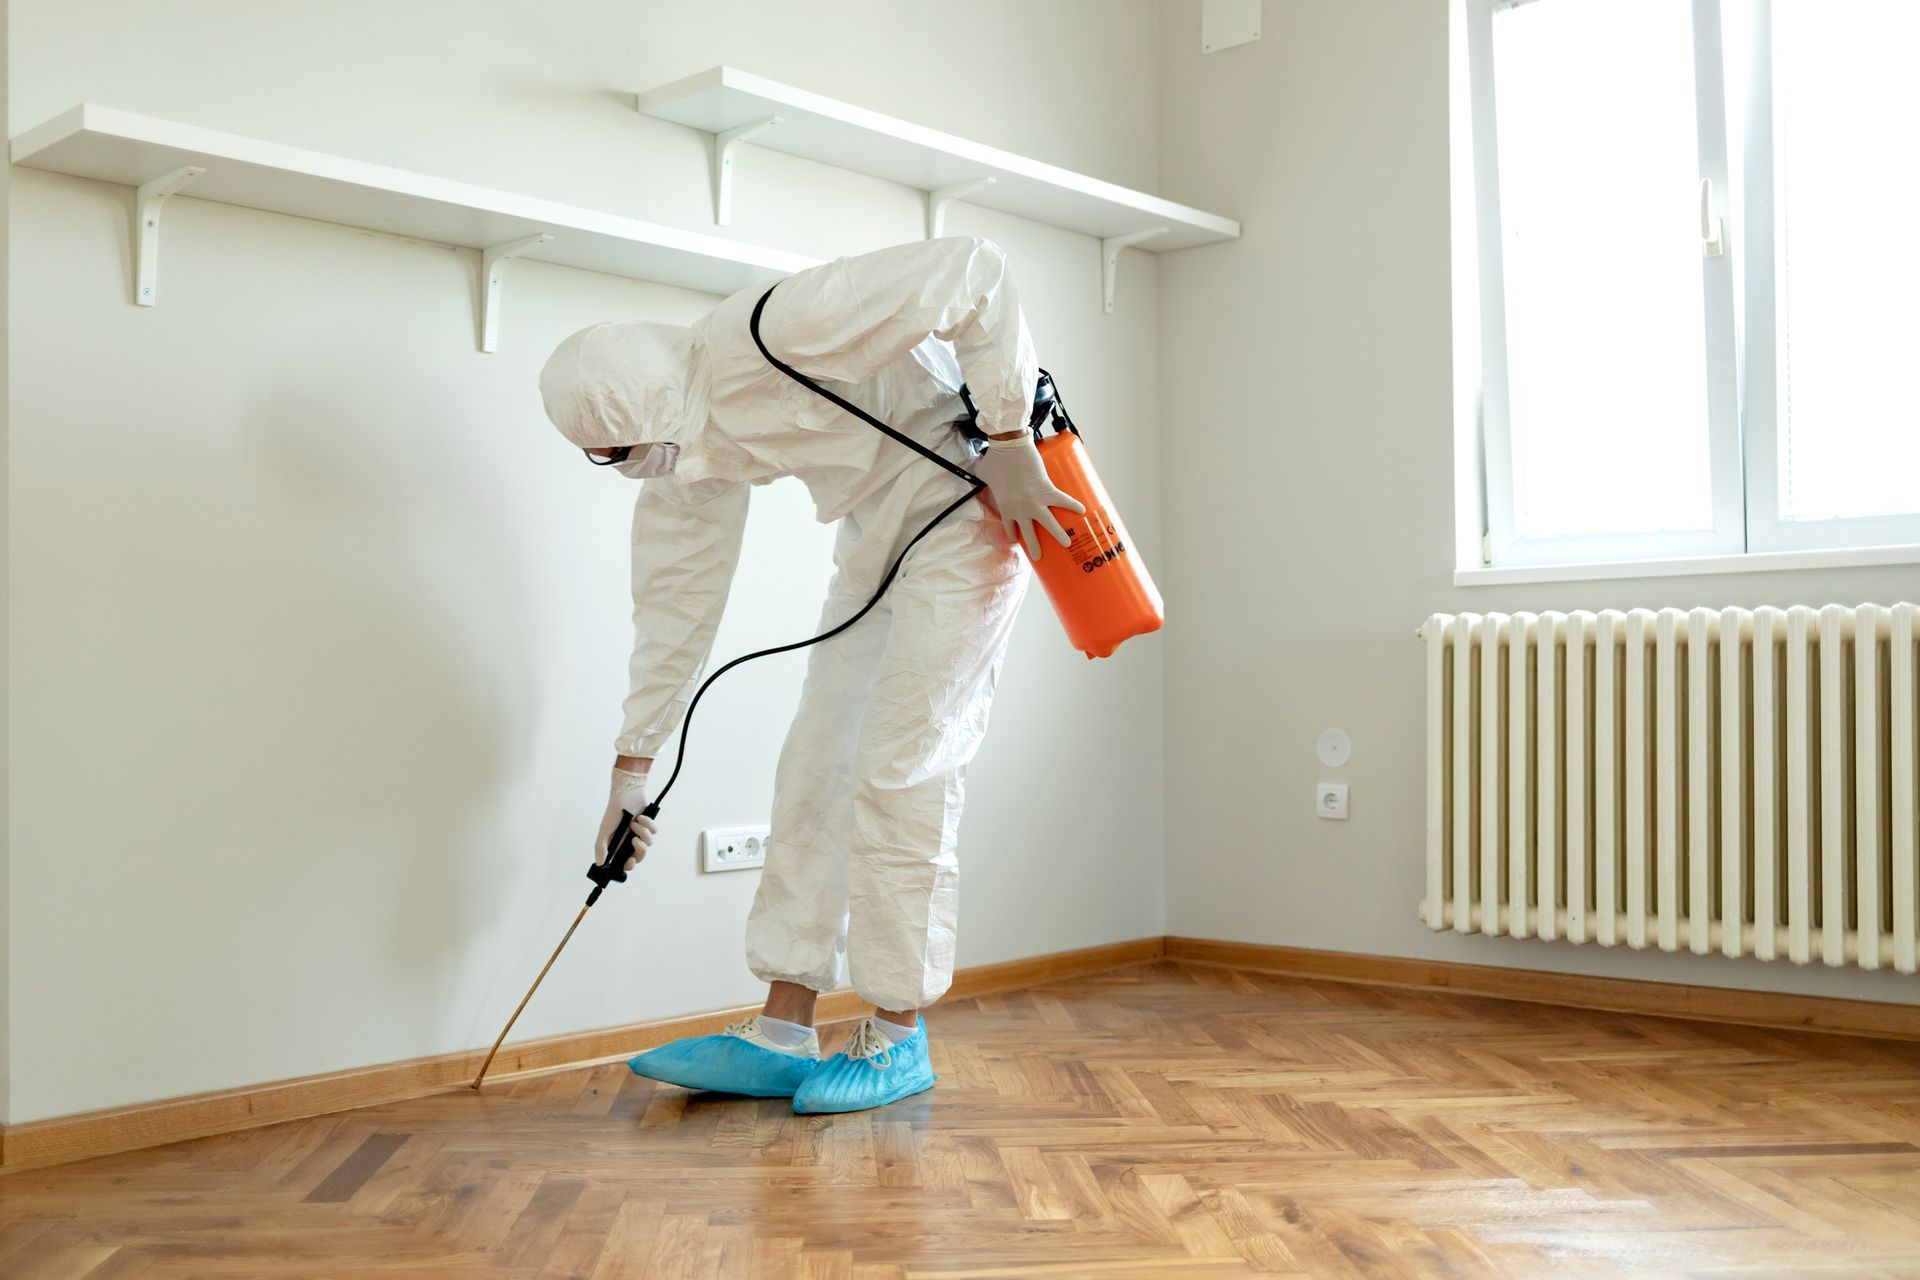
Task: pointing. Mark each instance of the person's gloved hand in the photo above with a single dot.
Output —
(1021, 491)
(629, 795)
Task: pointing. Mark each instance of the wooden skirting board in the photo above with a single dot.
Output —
(1618, 995)
(149, 1124)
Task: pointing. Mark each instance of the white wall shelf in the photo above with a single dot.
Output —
(723, 101)
(163, 157)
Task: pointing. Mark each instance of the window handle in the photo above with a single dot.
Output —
(1712, 229)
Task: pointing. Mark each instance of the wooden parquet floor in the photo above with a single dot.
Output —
(1163, 1121)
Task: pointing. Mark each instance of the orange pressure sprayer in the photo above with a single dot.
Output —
(1098, 584)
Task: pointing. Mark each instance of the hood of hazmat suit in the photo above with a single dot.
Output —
(632, 383)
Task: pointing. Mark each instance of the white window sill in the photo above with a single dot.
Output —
(1688, 566)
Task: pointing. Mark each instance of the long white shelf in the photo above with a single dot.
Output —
(159, 156)
(720, 100)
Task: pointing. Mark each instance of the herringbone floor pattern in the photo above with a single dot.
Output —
(1160, 1121)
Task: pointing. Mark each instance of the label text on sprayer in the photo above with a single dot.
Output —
(1092, 552)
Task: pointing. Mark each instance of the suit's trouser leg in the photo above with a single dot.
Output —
(953, 611)
(796, 931)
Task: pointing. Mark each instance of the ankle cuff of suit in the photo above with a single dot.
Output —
(812, 982)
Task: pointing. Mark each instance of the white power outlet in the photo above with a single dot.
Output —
(1330, 801)
(733, 848)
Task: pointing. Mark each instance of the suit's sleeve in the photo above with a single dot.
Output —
(847, 320)
(686, 545)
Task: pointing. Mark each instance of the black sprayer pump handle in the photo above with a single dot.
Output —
(614, 869)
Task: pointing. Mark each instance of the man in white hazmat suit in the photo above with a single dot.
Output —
(861, 864)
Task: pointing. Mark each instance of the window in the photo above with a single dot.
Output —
(1698, 312)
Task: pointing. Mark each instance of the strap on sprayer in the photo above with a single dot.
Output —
(753, 326)
(1047, 404)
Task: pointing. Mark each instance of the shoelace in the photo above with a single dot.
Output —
(869, 1043)
(745, 1029)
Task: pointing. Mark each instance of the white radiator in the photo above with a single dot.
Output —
(1733, 780)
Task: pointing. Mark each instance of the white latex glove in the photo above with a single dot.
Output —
(1025, 497)
(629, 795)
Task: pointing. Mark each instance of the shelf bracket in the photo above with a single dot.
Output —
(940, 197)
(146, 227)
(1110, 249)
(490, 273)
(723, 145)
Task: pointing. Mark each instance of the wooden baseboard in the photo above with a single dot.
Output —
(1619, 995)
(150, 1124)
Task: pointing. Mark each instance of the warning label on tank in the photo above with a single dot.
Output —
(1096, 541)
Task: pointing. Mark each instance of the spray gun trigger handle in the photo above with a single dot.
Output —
(613, 869)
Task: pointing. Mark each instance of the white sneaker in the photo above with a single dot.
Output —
(753, 1033)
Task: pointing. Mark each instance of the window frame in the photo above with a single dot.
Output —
(1740, 328)
(1767, 530)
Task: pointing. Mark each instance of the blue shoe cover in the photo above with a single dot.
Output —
(871, 1072)
(728, 1063)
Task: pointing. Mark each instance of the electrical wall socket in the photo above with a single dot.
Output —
(733, 848)
(1330, 801)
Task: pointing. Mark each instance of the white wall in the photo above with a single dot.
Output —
(1308, 460)
(318, 630)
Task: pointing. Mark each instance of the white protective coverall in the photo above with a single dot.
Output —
(861, 861)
